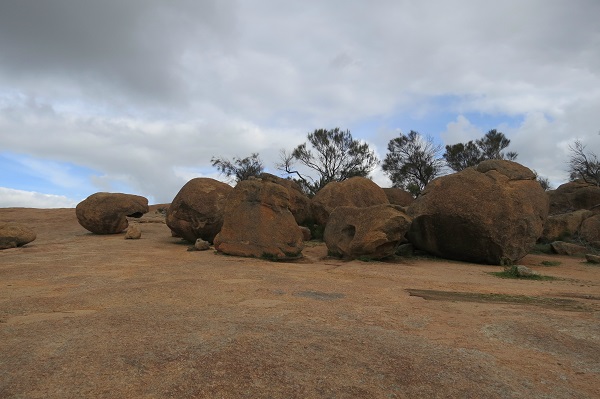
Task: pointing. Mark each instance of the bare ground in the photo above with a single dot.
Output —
(89, 316)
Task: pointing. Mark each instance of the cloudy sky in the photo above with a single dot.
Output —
(136, 96)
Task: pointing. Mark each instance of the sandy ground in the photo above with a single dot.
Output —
(89, 316)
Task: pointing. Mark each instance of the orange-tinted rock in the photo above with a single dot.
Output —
(106, 213)
(15, 235)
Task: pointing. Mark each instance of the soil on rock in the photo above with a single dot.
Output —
(96, 316)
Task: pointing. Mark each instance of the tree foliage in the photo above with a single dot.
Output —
(412, 162)
(491, 146)
(239, 168)
(333, 154)
(582, 165)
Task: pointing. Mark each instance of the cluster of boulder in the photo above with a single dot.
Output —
(493, 213)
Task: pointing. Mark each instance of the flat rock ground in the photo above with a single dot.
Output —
(90, 316)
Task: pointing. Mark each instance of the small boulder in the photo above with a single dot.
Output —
(491, 213)
(14, 235)
(106, 213)
(133, 233)
(197, 209)
(374, 232)
(357, 191)
(567, 248)
(201, 245)
(524, 271)
(306, 234)
(258, 222)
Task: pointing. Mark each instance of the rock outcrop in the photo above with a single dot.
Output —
(590, 229)
(373, 232)
(106, 213)
(357, 191)
(258, 222)
(492, 213)
(573, 196)
(14, 235)
(197, 209)
(564, 225)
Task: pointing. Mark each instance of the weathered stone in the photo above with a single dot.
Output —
(492, 213)
(564, 225)
(258, 222)
(197, 209)
(397, 196)
(573, 196)
(201, 245)
(590, 229)
(15, 235)
(406, 250)
(591, 258)
(299, 202)
(306, 234)
(106, 213)
(567, 248)
(133, 233)
(357, 191)
(373, 232)
(524, 271)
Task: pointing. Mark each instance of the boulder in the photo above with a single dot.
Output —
(201, 245)
(590, 229)
(397, 196)
(373, 232)
(106, 213)
(492, 213)
(573, 196)
(359, 192)
(306, 234)
(523, 271)
(197, 209)
(567, 248)
(133, 233)
(258, 222)
(14, 235)
(591, 258)
(564, 225)
(299, 202)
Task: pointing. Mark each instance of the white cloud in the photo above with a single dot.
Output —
(158, 88)
(10, 198)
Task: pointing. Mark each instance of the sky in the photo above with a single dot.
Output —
(137, 96)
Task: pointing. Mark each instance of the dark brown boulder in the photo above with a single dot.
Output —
(397, 196)
(197, 209)
(357, 191)
(299, 202)
(492, 213)
(258, 222)
(573, 196)
(373, 232)
(14, 235)
(106, 213)
(568, 248)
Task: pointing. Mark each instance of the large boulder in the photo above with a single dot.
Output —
(373, 232)
(564, 225)
(197, 209)
(357, 191)
(106, 213)
(299, 202)
(590, 229)
(258, 222)
(397, 196)
(492, 213)
(573, 196)
(15, 235)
